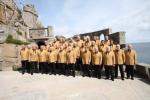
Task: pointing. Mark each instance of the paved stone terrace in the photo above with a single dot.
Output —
(15, 86)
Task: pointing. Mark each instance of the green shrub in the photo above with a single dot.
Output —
(19, 33)
(15, 41)
(16, 68)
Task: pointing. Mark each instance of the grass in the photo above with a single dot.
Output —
(11, 40)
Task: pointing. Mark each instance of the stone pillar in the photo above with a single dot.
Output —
(107, 32)
(50, 31)
(119, 37)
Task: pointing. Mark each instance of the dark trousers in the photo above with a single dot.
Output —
(43, 67)
(87, 70)
(109, 71)
(78, 65)
(33, 66)
(61, 68)
(130, 71)
(97, 71)
(52, 68)
(24, 64)
(71, 68)
(28, 67)
(120, 69)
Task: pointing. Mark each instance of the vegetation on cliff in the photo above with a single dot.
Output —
(11, 40)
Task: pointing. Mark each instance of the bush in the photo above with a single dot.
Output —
(19, 33)
(14, 41)
(16, 68)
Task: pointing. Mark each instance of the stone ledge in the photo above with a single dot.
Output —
(143, 69)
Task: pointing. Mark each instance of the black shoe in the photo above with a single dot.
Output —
(127, 77)
(23, 73)
(132, 78)
(99, 77)
(112, 79)
(83, 75)
(122, 78)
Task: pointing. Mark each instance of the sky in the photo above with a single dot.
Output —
(70, 17)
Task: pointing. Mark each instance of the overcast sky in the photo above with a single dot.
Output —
(69, 17)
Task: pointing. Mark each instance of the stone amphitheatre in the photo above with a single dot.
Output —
(24, 25)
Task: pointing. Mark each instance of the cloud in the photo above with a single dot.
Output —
(71, 17)
(137, 25)
(126, 15)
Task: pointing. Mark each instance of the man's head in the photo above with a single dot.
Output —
(78, 37)
(88, 38)
(106, 37)
(117, 47)
(111, 42)
(86, 49)
(34, 47)
(51, 49)
(42, 47)
(29, 46)
(108, 49)
(93, 43)
(69, 48)
(102, 42)
(55, 40)
(82, 45)
(23, 47)
(84, 38)
(96, 37)
(130, 46)
(61, 48)
(95, 49)
(74, 44)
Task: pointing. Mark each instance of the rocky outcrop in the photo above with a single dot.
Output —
(16, 19)
(17, 22)
(30, 16)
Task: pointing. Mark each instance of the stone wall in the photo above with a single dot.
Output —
(143, 69)
(9, 56)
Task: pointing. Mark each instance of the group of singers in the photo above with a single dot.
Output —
(88, 56)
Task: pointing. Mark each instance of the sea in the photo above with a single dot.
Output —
(143, 52)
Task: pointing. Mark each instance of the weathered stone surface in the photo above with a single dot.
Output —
(9, 12)
(2, 14)
(9, 56)
(30, 16)
(50, 31)
(15, 86)
(13, 31)
(10, 50)
(9, 3)
(143, 69)
(105, 32)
